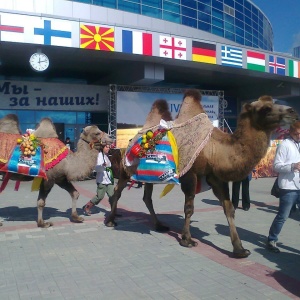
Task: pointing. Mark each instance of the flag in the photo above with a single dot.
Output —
(137, 42)
(54, 32)
(10, 29)
(97, 37)
(171, 47)
(204, 52)
(276, 65)
(256, 61)
(231, 56)
(294, 68)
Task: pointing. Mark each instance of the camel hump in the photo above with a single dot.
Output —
(46, 129)
(159, 110)
(190, 106)
(10, 124)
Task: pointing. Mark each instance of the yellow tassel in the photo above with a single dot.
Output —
(166, 190)
(36, 184)
(174, 147)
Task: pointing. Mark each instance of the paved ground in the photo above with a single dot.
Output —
(91, 261)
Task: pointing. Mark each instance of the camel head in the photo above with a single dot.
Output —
(94, 136)
(264, 114)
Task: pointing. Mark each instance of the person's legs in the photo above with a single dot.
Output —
(245, 194)
(236, 193)
(101, 189)
(286, 202)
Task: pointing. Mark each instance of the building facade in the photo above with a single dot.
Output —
(92, 45)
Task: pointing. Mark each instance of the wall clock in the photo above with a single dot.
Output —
(39, 62)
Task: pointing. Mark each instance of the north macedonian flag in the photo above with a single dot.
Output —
(204, 52)
(97, 37)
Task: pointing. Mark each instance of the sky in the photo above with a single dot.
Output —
(284, 16)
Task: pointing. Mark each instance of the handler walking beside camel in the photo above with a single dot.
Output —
(104, 178)
(287, 164)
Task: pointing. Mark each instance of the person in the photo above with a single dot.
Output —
(104, 178)
(287, 165)
(245, 191)
(68, 143)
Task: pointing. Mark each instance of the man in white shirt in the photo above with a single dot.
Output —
(287, 164)
(104, 179)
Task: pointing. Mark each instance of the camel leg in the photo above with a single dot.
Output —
(147, 198)
(188, 186)
(113, 200)
(69, 187)
(221, 191)
(44, 191)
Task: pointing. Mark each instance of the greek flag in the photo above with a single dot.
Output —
(232, 57)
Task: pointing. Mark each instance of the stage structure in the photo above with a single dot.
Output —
(113, 97)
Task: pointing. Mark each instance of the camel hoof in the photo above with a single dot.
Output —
(45, 225)
(111, 224)
(242, 254)
(188, 243)
(77, 219)
(161, 228)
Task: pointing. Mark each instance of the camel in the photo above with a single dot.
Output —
(225, 157)
(62, 165)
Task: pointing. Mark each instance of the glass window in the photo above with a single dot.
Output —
(204, 8)
(239, 31)
(254, 18)
(217, 22)
(206, 1)
(218, 31)
(255, 26)
(81, 117)
(248, 29)
(189, 3)
(239, 23)
(217, 4)
(229, 2)
(247, 13)
(239, 8)
(248, 5)
(204, 17)
(129, 6)
(150, 12)
(189, 12)
(239, 16)
(56, 116)
(248, 43)
(204, 26)
(175, 1)
(240, 40)
(27, 116)
(189, 21)
(153, 3)
(106, 3)
(172, 17)
(255, 42)
(229, 36)
(248, 21)
(229, 27)
(217, 13)
(241, 2)
(171, 7)
(248, 36)
(228, 19)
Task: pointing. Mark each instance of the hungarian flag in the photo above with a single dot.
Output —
(97, 37)
(294, 68)
(256, 61)
(204, 52)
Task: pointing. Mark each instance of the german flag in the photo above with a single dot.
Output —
(204, 52)
(97, 37)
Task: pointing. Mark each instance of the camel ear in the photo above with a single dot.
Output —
(247, 107)
(86, 130)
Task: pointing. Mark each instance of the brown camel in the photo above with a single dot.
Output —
(62, 165)
(225, 157)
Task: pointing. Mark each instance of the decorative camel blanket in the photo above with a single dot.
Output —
(54, 151)
(191, 137)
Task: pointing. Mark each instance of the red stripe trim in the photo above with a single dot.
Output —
(205, 52)
(12, 28)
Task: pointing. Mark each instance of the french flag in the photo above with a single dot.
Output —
(137, 42)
